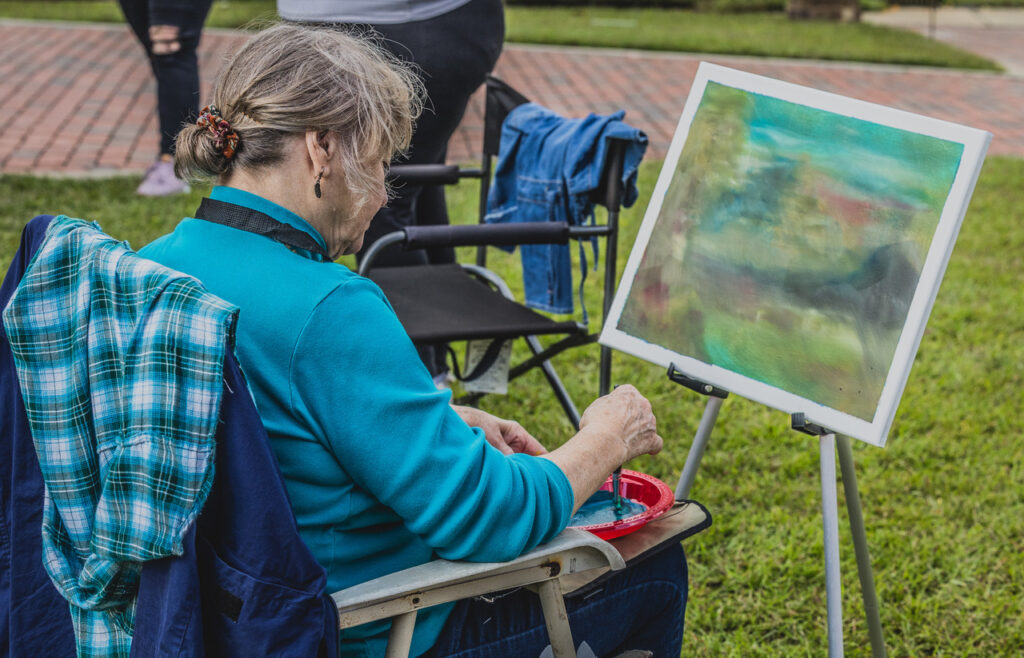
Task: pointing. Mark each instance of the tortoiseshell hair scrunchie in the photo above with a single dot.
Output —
(225, 139)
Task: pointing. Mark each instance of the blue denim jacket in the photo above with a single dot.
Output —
(547, 167)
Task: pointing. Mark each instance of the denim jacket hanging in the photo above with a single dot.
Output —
(547, 168)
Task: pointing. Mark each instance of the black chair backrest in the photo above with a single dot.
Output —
(500, 99)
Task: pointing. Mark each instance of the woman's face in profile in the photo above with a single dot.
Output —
(352, 217)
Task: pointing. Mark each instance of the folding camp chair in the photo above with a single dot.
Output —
(448, 303)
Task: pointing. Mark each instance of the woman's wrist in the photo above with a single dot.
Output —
(588, 458)
(608, 442)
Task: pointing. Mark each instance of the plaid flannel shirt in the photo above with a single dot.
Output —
(119, 361)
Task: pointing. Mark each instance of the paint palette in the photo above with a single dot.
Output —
(639, 488)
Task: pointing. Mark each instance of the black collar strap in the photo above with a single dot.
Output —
(254, 221)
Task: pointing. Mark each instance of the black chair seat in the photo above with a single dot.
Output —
(443, 303)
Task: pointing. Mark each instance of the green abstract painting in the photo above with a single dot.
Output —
(789, 245)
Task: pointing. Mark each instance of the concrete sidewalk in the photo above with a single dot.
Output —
(992, 32)
(78, 99)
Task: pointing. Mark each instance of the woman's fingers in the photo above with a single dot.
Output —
(508, 436)
(517, 438)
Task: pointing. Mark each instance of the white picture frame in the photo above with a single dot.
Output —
(871, 427)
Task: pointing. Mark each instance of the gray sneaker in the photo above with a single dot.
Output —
(160, 180)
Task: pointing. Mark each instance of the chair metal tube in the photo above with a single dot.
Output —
(424, 174)
(383, 242)
(613, 195)
(610, 261)
(598, 231)
(459, 235)
(561, 394)
(485, 187)
(548, 353)
(400, 637)
(556, 619)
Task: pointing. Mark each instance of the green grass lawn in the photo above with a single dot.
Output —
(975, 4)
(942, 501)
(761, 34)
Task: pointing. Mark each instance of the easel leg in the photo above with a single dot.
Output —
(860, 546)
(830, 517)
(700, 443)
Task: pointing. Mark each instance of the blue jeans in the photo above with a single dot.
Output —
(640, 608)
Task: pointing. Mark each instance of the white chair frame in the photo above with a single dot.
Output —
(399, 595)
(566, 563)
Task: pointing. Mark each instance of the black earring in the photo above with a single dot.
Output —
(316, 185)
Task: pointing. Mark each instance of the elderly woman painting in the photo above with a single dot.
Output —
(382, 471)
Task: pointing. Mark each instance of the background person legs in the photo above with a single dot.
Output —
(453, 53)
(170, 33)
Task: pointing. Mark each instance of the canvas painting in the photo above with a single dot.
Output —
(794, 245)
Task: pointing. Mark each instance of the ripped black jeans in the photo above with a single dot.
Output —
(177, 74)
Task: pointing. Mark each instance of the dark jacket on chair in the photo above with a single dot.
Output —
(34, 617)
(245, 584)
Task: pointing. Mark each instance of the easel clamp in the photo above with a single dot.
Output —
(801, 424)
(695, 384)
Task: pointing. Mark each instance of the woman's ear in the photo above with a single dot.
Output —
(320, 144)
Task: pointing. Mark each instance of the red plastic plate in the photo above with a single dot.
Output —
(639, 487)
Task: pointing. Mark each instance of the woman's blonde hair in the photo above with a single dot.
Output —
(289, 79)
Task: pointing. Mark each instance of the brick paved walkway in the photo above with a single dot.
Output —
(92, 89)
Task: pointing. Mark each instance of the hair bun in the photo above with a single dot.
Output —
(225, 139)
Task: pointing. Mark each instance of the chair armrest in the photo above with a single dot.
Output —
(684, 519)
(498, 235)
(458, 235)
(442, 581)
(423, 174)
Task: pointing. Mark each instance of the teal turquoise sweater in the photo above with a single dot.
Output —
(381, 472)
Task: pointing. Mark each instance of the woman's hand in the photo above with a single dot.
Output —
(508, 436)
(614, 429)
(627, 415)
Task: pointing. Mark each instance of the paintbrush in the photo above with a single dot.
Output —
(616, 489)
(617, 484)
